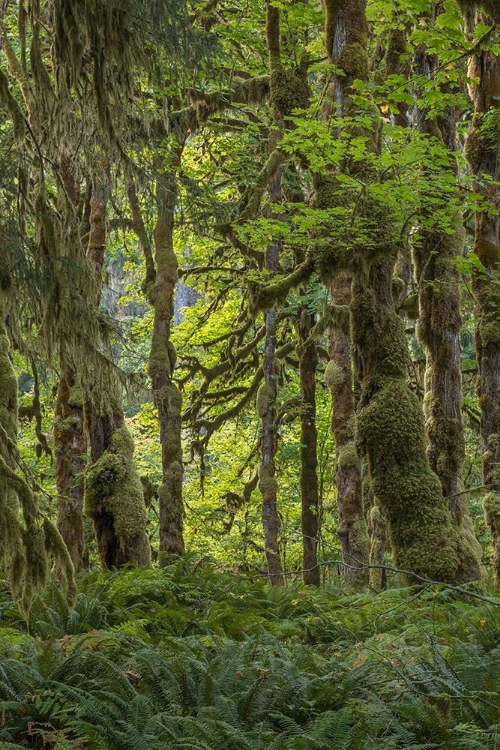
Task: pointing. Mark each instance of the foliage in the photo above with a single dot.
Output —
(188, 658)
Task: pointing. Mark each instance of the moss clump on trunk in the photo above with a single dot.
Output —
(114, 500)
(424, 540)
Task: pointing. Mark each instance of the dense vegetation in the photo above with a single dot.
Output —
(188, 658)
(249, 373)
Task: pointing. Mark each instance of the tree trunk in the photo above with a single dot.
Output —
(162, 360)
(308, 362)
(352, 530)
(114, 496)
(267, 393)
(69, 448)
(438, 330)
(390, 425)
(70, 443)
(482, 150)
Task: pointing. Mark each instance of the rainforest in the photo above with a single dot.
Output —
(250, 374)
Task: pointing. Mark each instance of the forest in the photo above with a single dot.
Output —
(250, 374)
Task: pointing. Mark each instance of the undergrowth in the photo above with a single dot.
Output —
(189, 659)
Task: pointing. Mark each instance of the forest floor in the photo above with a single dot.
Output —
(191, 659)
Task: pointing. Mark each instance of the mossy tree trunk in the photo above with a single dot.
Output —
(482, 149)
(69, 434)
(114, 496)
(161, 366)
(390, 424)
(352, 529)
(267, 394)
(308, 363)
(69, 448)
(27, 541)
(159, 286)
(438, 325)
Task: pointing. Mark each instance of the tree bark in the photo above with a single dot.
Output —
(114, 496)
(70, 443)
(162, 360)
(69, 448)
(390, 425)
(438, 330)
(267, 393)
(482, 148)
(308, 362)
(352, 529)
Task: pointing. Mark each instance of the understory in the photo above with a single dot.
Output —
(186, 657)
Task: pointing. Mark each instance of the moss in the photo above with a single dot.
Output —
(378, 533)
(379, 334)
(173, 480)
(267, 484)
(354, 60)
(290, 90)
(492, 517)
(75, 397)
(8, 388)
(334, 375)
(347, 455)
(398, 286)
(113, 486)
(491, 465)
(172, 396)
(265, 396)
(265, 296)
(491, 504)
(489, 331)
(391, 430)
(391, 427)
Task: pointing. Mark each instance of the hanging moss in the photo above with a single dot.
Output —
(334, 375)
(8, 389)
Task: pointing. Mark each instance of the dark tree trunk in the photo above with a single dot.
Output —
(159, 286)
(69, 448)
(438, 330)
(308, 362)
(482, 149)
(390, 425)
(352, 530)
(114, 496)
(70, 443)
(267, 394)
(162, 360)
